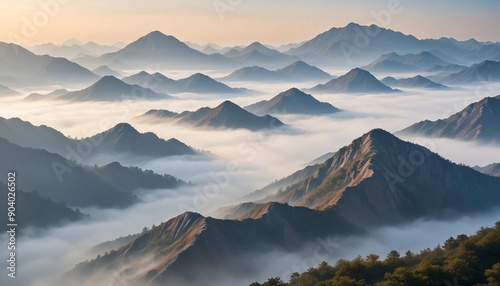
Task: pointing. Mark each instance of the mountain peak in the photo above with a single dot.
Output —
(257, 45)
(124, 128)
(229, 104)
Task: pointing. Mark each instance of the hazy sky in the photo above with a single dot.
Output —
(238, 21)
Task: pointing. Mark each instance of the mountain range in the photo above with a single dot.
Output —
(196, 83)
(20, 67)
(355, 81)
(131, 179)
(258, 54)
(477, 122)
(360, 187)
(120, 139)
(227, 115)
(51, 95)
(414, 82)
(341, 46)
(491, 169)
(394, 62)
(59, 179)
(156, 50)
(292, 101)
(106, 71)
(109, 88)
(73, 50)
(487, 71)
(297, 71)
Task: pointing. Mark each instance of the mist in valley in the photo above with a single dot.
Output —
(237, 163)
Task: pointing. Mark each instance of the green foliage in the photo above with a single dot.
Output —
(462, 260)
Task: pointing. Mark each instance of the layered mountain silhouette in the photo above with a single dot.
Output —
(20, 67)
(156, 50)
(196, 83)
(394, 62)
(109, 88)
(5, 91)
(447, 69)
(292, 101)
(106, 71)
(363, 184)
(59, 179)
(297, 71)
(72, 50)
(487, 71)
(121, 139)
(254, 73)
(225, 116)
(51, 95)
(130, 179)
(492, 169)
(477, 122)
(341, 46)
(414, 82)
(194, 250)
(355, 81)
(258, 54)
(37, 211)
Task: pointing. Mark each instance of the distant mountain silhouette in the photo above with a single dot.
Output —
(130, 179)
(71, 50)
(492, 169)
(60, 180)
(21, 67)
(106, 71)
(394, 62)
(487, 71)
(340, 46)
(253, 73)
(258, 54)
(355, 81)
(5, 91)
(123, 138)
(414, 82)
(447, 69)
(477, 122)
(196, 83)
(225, 116)
(157, 49)
(109, 88)
(297, 71)
(51, 95)
(292, 101)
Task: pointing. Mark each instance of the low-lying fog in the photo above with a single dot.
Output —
(260, 157)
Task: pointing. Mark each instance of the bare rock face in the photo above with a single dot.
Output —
(477, 122)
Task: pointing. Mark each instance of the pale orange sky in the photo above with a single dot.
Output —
(280, 22)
